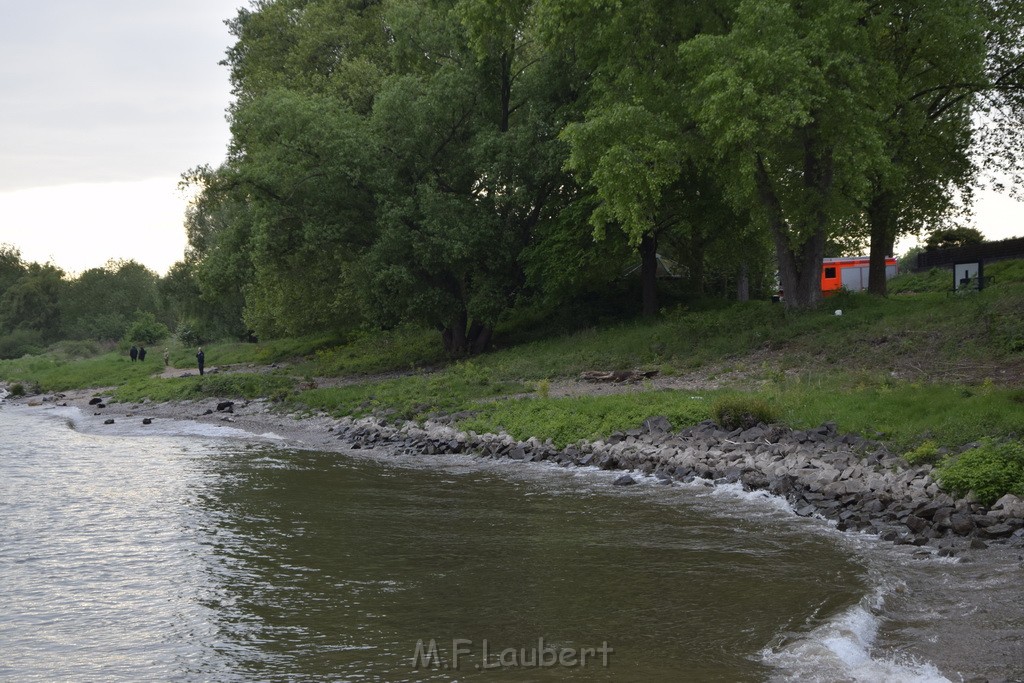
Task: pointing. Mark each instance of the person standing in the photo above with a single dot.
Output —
(201, 359)
(133, 353)
(167, 358)
(142, 353)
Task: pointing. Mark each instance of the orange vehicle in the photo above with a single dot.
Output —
(850, 273)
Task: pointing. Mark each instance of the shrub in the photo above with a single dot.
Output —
(743, 412)
(926, 452)
(189, 334)
(74, 349)
(145, 329)
(17, 389)
(20, 343)
(990, 471)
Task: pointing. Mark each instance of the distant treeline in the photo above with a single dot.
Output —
(121, 302)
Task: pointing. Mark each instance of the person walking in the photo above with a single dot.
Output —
(201, 359)
(133, 353)
(142, 353)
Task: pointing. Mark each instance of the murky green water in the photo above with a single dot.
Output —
(189, 557)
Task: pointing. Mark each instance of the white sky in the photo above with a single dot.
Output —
(103, 104)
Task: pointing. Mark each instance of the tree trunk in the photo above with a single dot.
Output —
(799, 264)
(649, 273)
(459, 341)
(882, 216)
(743, 284)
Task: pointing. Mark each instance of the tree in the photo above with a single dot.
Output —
(100, 303)
(12, 268)
(390, 159)
(471, 166)
(33, 302)
(634, 148)
(932, 59)
(951, 238)
(784, 99)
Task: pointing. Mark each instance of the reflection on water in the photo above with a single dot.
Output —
(187, 558)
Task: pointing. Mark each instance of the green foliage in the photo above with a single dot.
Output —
(75, 349)
(991, 470)
(1006, 272)
(225, 385)
(743, 412)
(20, 342)
(145, 329)
(291, 349)
(934, 280)
(17, 389)
(948, 238)
(404, 348)
(567, 420)
(926, 452)
(55, 373)
(101, 303)
(189, 333)
(412, 397)
(901, 413)
(32, 302)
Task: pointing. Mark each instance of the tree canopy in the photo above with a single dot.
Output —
(451, 163)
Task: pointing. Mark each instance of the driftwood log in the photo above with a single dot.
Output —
(616, 375)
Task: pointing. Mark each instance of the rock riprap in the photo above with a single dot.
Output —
(857, 483)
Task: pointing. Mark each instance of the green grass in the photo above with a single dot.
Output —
(406, 348)
(568, 420)
(232, 353)
(455, 389)
(903, 415)
(908, 414)
(53, 373)
(239, 385)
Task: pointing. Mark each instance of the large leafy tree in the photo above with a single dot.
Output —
(634, 148)
(12, 267)
(389, 158)
(32, 302)
(470, 164)
(784, 99)
(293, 208)
(946, 68)
(101, 302)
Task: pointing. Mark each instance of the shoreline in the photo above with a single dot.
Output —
(856, 483)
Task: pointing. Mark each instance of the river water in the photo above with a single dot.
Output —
(192, 553)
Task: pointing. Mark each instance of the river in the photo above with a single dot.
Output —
(192, 553)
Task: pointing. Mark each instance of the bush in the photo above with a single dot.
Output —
(20, 343)
(75, 349)
(926, 452)
(743, 412)
(145, 330)
(990, 471)
(189, 333)
(17, 389)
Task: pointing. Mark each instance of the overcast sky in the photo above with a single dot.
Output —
(104, 103)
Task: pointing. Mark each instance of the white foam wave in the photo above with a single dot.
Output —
(842, 649)
(759, 497)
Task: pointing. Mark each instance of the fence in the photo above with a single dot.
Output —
(986, 251)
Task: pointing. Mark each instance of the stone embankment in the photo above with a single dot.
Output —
(855, 482)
